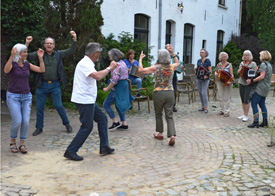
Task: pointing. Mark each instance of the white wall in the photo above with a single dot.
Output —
(119, 16)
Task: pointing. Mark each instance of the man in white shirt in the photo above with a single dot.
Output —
(84, 97)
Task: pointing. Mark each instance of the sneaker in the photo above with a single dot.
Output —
(37, 132)
(175, 109)
(115, 125)
(201, 110)
(123, 127)
(138, 95)
(241, 117)
(245, 118)
(205, 111)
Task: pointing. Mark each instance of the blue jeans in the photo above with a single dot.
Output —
(257, 99)
(54, 89)
(202, 88)
(110, 99)
(136, 81)
(20, 110)
(88, 114)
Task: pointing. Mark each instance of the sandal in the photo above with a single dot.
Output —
(23, 149)
(158, 136)
(13, 148)
(172, 141)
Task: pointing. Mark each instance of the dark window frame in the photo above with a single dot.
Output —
(168, 35)
(186, 38)
(138, 32)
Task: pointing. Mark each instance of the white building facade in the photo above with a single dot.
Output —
(188, 25)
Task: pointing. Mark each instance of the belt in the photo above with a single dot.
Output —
(49, 81)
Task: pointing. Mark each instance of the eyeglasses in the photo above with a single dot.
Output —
(100, 50)
(49, 43)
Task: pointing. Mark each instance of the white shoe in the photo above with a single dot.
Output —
(241, 117)
(245, 118)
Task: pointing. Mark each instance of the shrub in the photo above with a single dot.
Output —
(235, 56)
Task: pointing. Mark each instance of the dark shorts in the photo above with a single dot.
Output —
(245, 93)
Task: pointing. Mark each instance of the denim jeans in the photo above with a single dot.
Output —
(88, 114)
(202, 88)
(54, 89)
(136, 81)
(110, 99)
(20, 110)
(257, 99)
(175, 82)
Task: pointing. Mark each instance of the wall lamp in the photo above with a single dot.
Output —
(180, 6)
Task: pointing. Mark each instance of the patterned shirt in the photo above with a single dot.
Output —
(164, 77)
(120, 73)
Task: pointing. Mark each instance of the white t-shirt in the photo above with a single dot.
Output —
(84, 87)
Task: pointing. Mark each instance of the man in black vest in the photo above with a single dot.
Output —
(49, 81)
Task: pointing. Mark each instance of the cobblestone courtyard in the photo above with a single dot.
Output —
(213, 155)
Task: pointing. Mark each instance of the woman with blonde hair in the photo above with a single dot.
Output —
(244, 88)
(224, 91)
(262, 89)
(19, 97)
(163, 96)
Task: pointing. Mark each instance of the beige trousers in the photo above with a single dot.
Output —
(224, 93)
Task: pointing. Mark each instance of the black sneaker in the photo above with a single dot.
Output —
(175, 109)
(115, 125)
(106, 150)
(123, 127)
(138, 95)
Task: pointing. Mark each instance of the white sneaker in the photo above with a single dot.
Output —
(241, 117)
(245, 118)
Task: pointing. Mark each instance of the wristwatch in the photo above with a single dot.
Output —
(109, 69)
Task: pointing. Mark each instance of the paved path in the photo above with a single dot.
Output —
(213, 155)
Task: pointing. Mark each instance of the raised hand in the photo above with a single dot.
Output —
(28, 40)
(13, 52)
(40, 53)
(73, 34)
(142, 55)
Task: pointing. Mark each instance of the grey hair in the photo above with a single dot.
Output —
(221, 54)
(249, 54)
(206, 52)
(91, 48)
(49, 38)
(115, 54)
(164, 56)
(20, 48)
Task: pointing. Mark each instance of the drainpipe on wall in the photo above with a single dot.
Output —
(240, 17)
(160, 22)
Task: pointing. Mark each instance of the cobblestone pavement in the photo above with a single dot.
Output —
(213, 155)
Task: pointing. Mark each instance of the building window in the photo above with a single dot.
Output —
(222, 2)
(220, 36)
(141, 28)
(203, 44)
(168, 32)
(187, 44)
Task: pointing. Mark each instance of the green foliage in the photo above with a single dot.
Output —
(84, 17)
(19, 19)
(101, 96)
(262, 15)
(125, 42)
(235, 56)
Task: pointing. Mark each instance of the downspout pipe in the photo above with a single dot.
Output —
(160, 26)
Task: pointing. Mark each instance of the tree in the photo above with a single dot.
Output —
(18, 19)
(262, 15)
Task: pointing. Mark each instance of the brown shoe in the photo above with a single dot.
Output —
(158, 136)
(220, 113)
(172, 141)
